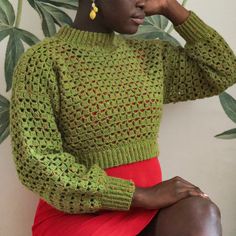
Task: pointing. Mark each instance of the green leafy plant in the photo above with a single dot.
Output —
(9, 27)
(51, 14)
(4, 117)
(229, 105)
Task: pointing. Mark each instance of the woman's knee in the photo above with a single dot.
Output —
(189, 217)
(201, 208)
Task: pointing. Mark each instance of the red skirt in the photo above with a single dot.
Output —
(49, 221)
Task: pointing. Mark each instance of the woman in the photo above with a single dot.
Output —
(85, 112)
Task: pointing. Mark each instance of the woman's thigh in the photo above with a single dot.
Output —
(190, 216)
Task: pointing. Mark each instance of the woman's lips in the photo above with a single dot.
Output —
(138, 21)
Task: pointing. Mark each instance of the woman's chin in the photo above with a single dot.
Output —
(130, 30)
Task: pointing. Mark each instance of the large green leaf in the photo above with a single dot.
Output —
(4, 132)
(145, 30)
(154, 28)
(32, 3)
(151, 32)
(51, 15)
(158, 21)
(4, 118)
(4, 31)
(27, 37)
(7, 13)
(14, 46)
(14, 49)
(3, 17)
(7, 18)
(4, 103)
(48, 24)
(230, 134)
(229, 105)
(59, 16)
(170, 38)
(69, 4)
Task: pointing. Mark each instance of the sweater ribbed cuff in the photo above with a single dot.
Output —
(193, 28)
(119, 194)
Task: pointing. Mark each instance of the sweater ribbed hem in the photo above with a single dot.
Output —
(119, 194)
(122, 154)
(193, 28)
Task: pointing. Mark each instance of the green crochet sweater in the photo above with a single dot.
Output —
(84, 101)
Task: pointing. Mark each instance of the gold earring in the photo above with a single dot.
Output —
(94, 10)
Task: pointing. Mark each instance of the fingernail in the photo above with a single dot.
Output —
(205, 195)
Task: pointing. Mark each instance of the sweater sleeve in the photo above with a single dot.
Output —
(42, 165)
(204, 67)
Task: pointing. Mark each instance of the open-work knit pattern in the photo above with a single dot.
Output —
(84, 101)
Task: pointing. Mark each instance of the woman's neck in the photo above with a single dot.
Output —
(83, 22)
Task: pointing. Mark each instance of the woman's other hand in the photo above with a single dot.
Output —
(165, 193)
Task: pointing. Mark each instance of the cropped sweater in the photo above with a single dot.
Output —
(84, 101)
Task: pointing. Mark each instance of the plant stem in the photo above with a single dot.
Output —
(19, 12)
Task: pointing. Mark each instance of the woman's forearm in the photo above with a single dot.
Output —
(175, 12)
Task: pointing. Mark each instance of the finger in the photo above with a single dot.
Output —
(192, 193)
(194, 186)
(185, 181)
(204, 195)
(188, 185)
(191, 189)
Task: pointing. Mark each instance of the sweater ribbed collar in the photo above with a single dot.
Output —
(87, 38)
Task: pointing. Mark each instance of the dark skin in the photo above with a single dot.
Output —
(179, 201)
(116, 15)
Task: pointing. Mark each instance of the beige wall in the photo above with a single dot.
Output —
(188, 146)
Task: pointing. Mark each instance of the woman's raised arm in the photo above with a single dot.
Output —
(204, 67)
